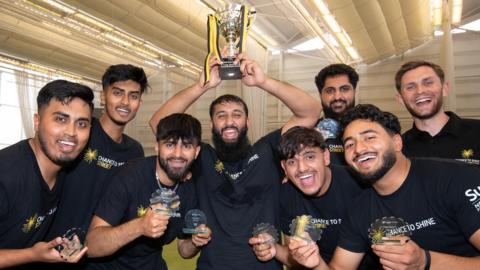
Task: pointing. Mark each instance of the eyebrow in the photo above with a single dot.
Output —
(235, 110)
(68, 116)
(361, 133)
(118, 88)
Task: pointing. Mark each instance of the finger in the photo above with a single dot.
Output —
(55, 242)
(388, 264)
(389, 248)
(75, 258)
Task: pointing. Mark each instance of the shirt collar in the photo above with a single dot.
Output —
(452, 127)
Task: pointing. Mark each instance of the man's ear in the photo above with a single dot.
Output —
(445, 89)
(156, 147)
(399, 98)
(36, 120)
(197, 150)
(326, 157)
(102, 97)
(397, 142)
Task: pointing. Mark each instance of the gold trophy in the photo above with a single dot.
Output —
(233, 23)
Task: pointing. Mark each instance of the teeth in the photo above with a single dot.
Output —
(422, 100)
(67, 143)
(305, 176)
(362, 159)
(123, 110)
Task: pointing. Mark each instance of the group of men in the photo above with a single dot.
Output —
(83, 173)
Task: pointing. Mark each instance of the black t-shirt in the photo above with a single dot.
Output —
(88, 176)
(439, 202)
(235, 198)
(328, 210)
(27, 204)
(335, 147)
(458, 139)
(126, 198)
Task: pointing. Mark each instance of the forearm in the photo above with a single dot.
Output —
(441, 261)
(12, 257)
(305, 108)
(179, 103)
(186, 248)
(106, 240)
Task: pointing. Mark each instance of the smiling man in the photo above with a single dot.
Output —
(31, 180)
(237, 183)
(314, 188)
(421, 87)
(336, 85)
(125, 227)
(419, 213)
(107, 150)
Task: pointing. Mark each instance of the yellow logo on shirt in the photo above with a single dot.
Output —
(90, 155)
(30, 223)
(467, 153)
(141, 211)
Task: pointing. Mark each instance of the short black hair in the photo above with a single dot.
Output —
(64, 91)
(124, 72)
(180, 126)
(370, 112)
(296, 139)
(336, 70)
(227, 99)
(416, 64)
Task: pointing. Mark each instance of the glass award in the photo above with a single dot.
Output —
(75, 238)
(266, 232)
(194, 218)
(165, 200)
(384, 231)
(328, 128)
(304, 227)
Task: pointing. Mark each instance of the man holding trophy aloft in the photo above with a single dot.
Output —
(237, 183)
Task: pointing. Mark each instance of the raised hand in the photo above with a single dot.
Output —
(305, 253)
(154, 223)
(263, 246)
(405, 255)
(201, 239)
(252, 73)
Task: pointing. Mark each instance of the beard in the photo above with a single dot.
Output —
(389, 159)
(434, 111)
(174, 174)
(61, 160)
(329, 113)
(231, 151)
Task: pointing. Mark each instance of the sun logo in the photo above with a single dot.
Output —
(219, 166)
(141, 211)
(467, 153)
(90, 155)
(377, 235)
(29, 223)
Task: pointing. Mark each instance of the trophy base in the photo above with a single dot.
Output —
(193, 231)
(229, 70)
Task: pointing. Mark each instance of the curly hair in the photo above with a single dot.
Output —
(370, 112)
(336, 70)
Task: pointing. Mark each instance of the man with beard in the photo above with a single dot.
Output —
(336, 85)
(32, 176)
(126, 225)
(421, 87)
(107, 150)
(420, 213)
(238, 183)
(315, 188)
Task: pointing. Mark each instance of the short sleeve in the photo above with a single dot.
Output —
(463, 198)
(114, 204)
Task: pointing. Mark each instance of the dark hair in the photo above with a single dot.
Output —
(64, 91)
(180, 126)
(336, 70)
(227, 99)
(296, 139)
(370, 112)
(413, 65)
(119, 73)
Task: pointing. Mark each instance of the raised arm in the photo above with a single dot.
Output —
(180, 102)
(305, 108)
(104, 239)
(187, 248)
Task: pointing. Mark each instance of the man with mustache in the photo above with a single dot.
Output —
(421, 87)
(32, 176)
(238, 183)
(336, 85)
(420, 213)
(126, 226)
(107, 150)
(315, 188)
